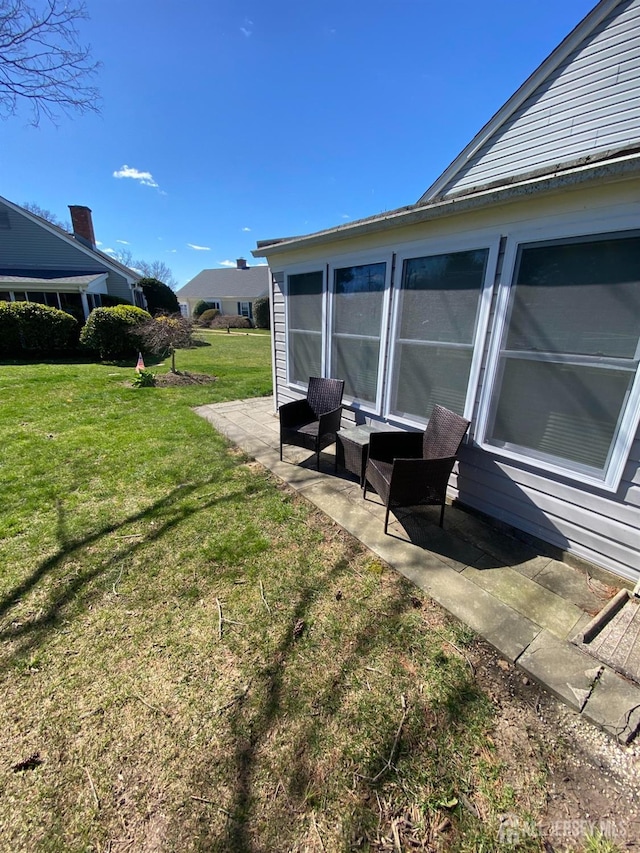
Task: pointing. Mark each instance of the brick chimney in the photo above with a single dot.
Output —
(82, 224)
(241, 264)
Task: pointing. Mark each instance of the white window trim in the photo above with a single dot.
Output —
(301, 269)
(428, 249)
(380, 256)
(628, 426)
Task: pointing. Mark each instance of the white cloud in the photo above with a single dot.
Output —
(124, 242)
(246, 229)
(227, 263)
(346, 216)
(247, 29)
(109, 251)
(145, 178)
(199, 248)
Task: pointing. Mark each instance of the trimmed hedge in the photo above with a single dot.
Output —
(28, 328)
(200, 307)
(110, 332)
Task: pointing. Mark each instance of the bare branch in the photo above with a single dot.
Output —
(42, 62)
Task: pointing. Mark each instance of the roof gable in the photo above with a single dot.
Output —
(580, 104)
(249, 283)
(29, 241)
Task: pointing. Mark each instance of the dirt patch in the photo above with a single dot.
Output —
(171, 380)
(593, 783)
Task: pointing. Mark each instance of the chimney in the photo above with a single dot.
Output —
(241, 264)
(82, 224)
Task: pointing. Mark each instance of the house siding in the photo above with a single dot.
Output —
(29, 246)
(589, 105)
(593, 524)
(26, 245)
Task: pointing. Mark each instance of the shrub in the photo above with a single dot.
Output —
(200, 307)
(230, 321)
(32, 328)
(111, 331)
(108, 301)
(207, 316)
(159, 296)
(261, 313)
(144, 379)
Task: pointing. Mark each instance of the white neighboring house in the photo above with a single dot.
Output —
(232, 291)
(40, 262)
(510, 293)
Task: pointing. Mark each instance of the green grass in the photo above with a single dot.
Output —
(198, 660)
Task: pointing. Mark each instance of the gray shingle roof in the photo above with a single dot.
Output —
(233, 283)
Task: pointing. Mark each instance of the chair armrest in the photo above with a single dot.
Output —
(296, 412)
(330, 421)
(387, 446)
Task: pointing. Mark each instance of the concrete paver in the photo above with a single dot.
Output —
(523, 603)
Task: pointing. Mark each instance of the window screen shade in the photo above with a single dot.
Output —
(358, 300)
(572, 305)
(437, 316)
(578, 298)
(570, 412)
(304, 317)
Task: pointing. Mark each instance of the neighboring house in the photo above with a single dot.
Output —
(40, 262)
(509, 292)
(231, 291)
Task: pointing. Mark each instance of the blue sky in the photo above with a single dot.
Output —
(230, 123)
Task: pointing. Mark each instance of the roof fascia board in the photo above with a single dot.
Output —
(578, 34)
(37, 220)
(612, 169)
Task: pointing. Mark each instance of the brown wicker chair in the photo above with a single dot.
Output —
(313, 423)
(411, 468)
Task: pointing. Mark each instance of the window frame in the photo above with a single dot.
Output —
(488, 241)
(385, 255)
(249, 306)
(630, 413)
(302, 269)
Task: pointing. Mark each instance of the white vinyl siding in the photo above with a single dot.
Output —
(589, 104)
(567, 348)
(436, 326)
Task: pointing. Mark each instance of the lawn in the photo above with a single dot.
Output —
(193, 659)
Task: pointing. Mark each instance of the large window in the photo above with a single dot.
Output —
(436, 322)
(304, 326)
(568, 356)
(357, 312)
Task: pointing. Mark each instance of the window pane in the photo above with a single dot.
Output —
(304, 316)
(20, 296)
(358, 300)
(357, 318)
(356, 361)
(430, 375)
(439, 297)
(304, 301)
(305, 356)
(5, 296)
(37, 296)
(577, 300)
(438, 304)
(567, 411)
(579, 297)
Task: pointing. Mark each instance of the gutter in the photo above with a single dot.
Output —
(614, 169)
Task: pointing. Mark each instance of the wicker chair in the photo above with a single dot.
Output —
(411, 468)
(313, 423)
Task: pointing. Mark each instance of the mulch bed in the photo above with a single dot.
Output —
(165, 380)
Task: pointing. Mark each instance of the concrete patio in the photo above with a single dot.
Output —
(526, 604)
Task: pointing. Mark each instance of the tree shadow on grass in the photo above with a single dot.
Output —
(70, 601)
(253, 729)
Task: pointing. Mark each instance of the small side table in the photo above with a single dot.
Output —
(352, 446)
